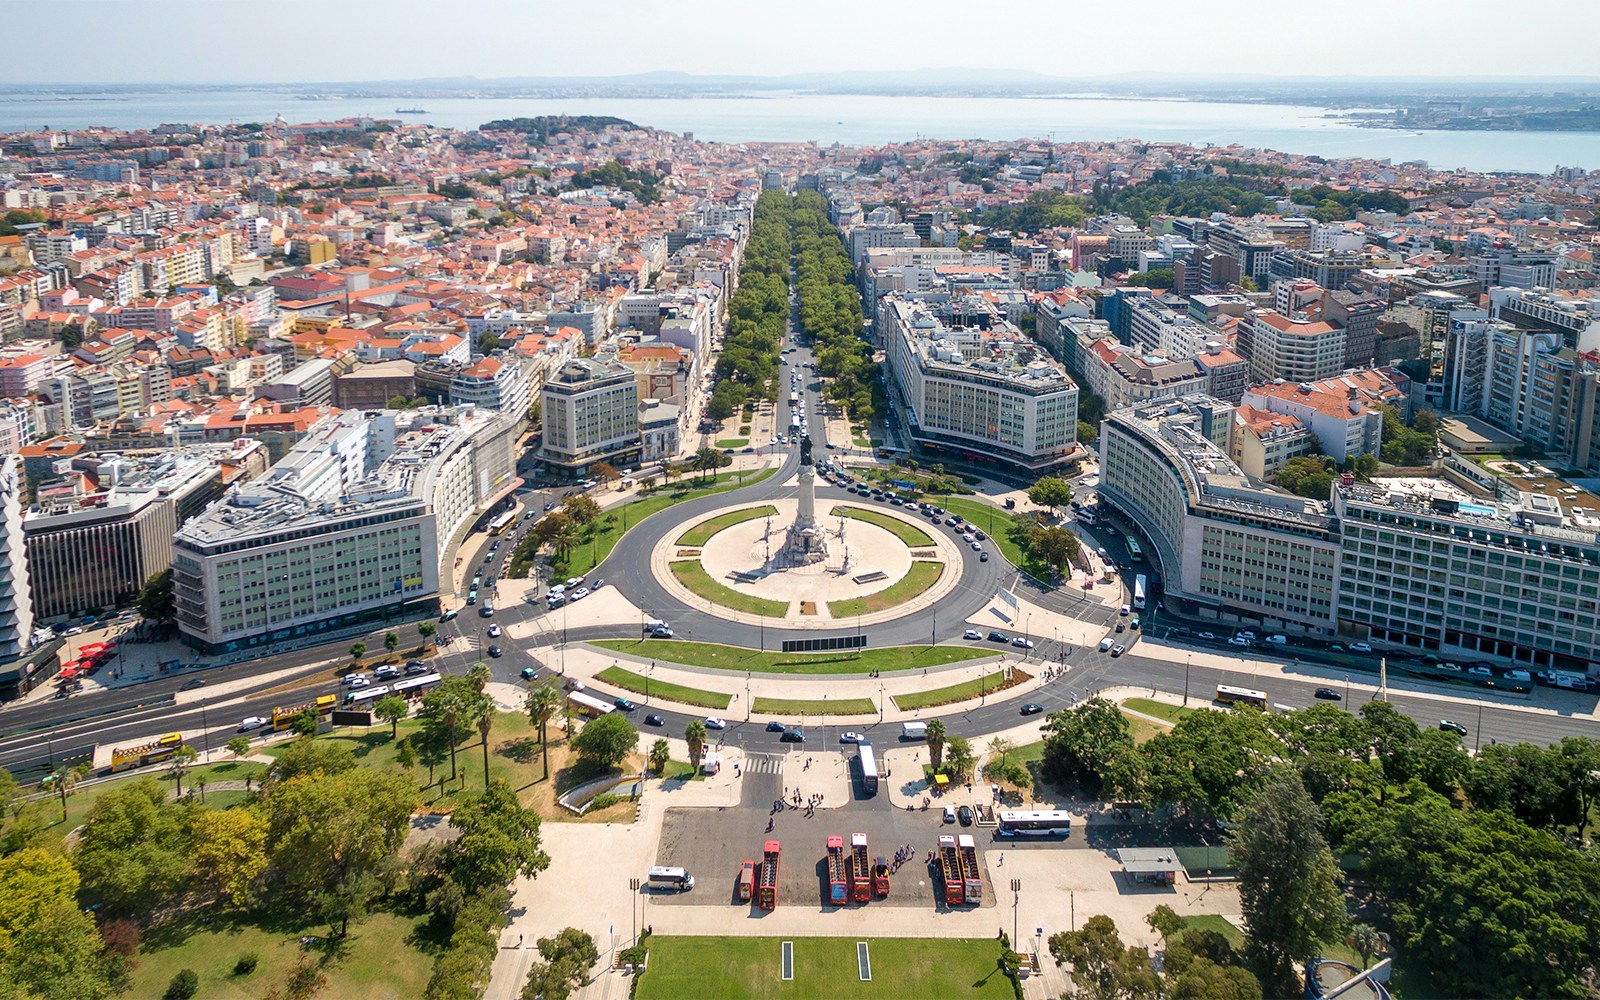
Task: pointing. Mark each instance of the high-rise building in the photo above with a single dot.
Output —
(16, 598)
(1294, 347)
(590, 414)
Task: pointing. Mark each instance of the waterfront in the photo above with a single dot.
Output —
(851, 120)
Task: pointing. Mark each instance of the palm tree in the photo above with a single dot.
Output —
(705, 458)
(1367, 942)
(479, 675)
(695, 735)
(485, 723)
(936, 737)
(542, 704)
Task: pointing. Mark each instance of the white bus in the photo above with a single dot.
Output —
(1138, 592)
(675, 879)
(1048, 823)
(588, 704)
(1236, 695)
(412, 687)
(869, 769)
(366, 695)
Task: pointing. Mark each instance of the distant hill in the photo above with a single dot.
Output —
(540, 129)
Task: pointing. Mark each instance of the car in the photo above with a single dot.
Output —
(715, 723)
(190, 685)
(1247, 634)
(486, 610)
(976, 546)
(999, 637)
(1450, 726)
(1120, 626)
(555, 600)
(494, 631)
(1031, 708)
(851, 737)
(252, 723)
(415, 667)
(964, 814)
(968, 538)
(1481, 671)
(1360, 647)
(983, 557)
(776, 727)
(597, 584)
(574, 581)
(579, 594)
(952, 521)
(1126, 611)
(1329, 694)
(661, 632)
(74, 630)
(550, 506)
(1022, 643)
(386, 673)
(488, 557)
(1238, 640)
(623, 704)
(1118, 649)
(530, 673)
(792, 736)
(980, 536)
(972, 633)
(557, 588)
(654, 720)
(949, 814)
(1204, 635)
(494, 546)
(358, 681)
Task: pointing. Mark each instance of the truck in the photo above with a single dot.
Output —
(913, 730)
(747, 880)
(767, 878)
(860, 869)
(1572, 680)
(971, 875)
(838, 894)
(955, 893)
(880, 877)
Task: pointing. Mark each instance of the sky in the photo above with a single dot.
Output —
(250, 41)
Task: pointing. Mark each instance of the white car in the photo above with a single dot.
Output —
(358, 681)
(851, 737)
(1359, 647)
(573, 581)
(1238, 640)
(494, 631)
(715, 723)
(1105, 644)
(1204, 635)
(252, 723)
(1022, 643)
(579, 594)
(972, 633)
(558, 588)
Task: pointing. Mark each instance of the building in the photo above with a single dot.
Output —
(310, 383)
(371, 386)
(1228, 548)
(590, 414)
(1294, 347)
(16, 596)
(348, 530)
(1337, 412)
(1263, 441)
(982, 394)
(498, 383)
(1125, 377)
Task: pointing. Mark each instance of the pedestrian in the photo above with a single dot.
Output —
(1002, 859)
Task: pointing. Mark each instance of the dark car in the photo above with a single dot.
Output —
(415, 667)
(999, 637)
(1452, 727)
(792, 736)
(1329, 694)
(1032, 708)
(191, 685)
(529, 673)
(776, 727)
(623, 704)
(496, 652)
(964, 814)
(654, 720)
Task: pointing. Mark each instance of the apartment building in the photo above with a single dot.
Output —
(498, 383)
(983, 394)
(16, 592)
(1295, 347)
(1335, 411)
(590, 412)
(1263, 441)
(1526, 382)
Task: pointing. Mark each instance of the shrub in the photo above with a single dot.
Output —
(603, 800)
(183, 986)
(246, 964)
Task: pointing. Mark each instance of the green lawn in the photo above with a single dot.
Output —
(682, 968)
(733, 442)
(955, 692)
(816, 706)
(630, 681)
(1214, 922)
(912, 535)
(1159, 709)
(710, 654)
(694, 576)
(996, 523)
(702, 532)
(385, 957)
(83, 798)
(923, 574)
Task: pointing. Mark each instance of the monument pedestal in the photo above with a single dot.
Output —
(805, 541)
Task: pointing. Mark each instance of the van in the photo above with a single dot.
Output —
(1277, 640)
(913, 730)
(652, 624)
(1105, 644)
(673, 879)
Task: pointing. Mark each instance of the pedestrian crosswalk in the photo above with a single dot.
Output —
(760, 763)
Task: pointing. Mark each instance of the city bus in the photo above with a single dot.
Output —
(1138, 591)
(869, 769)
(1045, 823)
(502, 521)
(366, 695)
(283, 717)
(1241, 696)
(415, 687)
(586, 704)
(1134, 551)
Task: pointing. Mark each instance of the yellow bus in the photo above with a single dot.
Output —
(283, 718)
(123, 758)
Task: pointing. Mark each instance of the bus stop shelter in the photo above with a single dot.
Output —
(1151, 865)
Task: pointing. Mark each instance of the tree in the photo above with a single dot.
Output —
(499, 841)
(485, 719)
(155, 601)
(1210, 761)
(31, 881)
(1089, 746)
(542, 704)
(1055, 545)
(581, 508)
(391, 641)
(958, 756)
(1103, 968)
(357, 651)
(306, 722)
(695, 735)
(405, 754)
(707, 458)
(1367, 942)
(1156, 277)
(1002, 746)
(567, 959)
(446, 711)
(1051, 492)
(936, 734)
(182, 760)
(1288, 881)
(331, 838)
(307, 756)
(1532, 783)
(229, 852)
(1088, 433)
(605, 472)
(60, 955)
(605, 742)
(1581, 756)
(391, 708)
(133, 848)
(660, 754)
(239, 746)
(427, 630)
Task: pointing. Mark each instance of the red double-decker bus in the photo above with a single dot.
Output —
(767, 890)
(836, 887)
(955, 892)
(860, 869)
(971, 876)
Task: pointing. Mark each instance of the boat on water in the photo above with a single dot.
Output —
(410, 111)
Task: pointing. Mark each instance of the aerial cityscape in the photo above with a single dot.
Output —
(811, 527)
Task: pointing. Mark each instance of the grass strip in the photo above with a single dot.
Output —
(948, 695)
(913, 536)
(710, 654)
(921, 576)
(640, 684)
(694, 576)
(733, 442)
(702, 532)
(1159, 709)
(816, 706)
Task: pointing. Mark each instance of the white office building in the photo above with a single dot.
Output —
(590, 414)
(16, 602)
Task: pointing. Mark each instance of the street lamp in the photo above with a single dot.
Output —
(1016, 900)
(1187, 658)
(633, 906)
